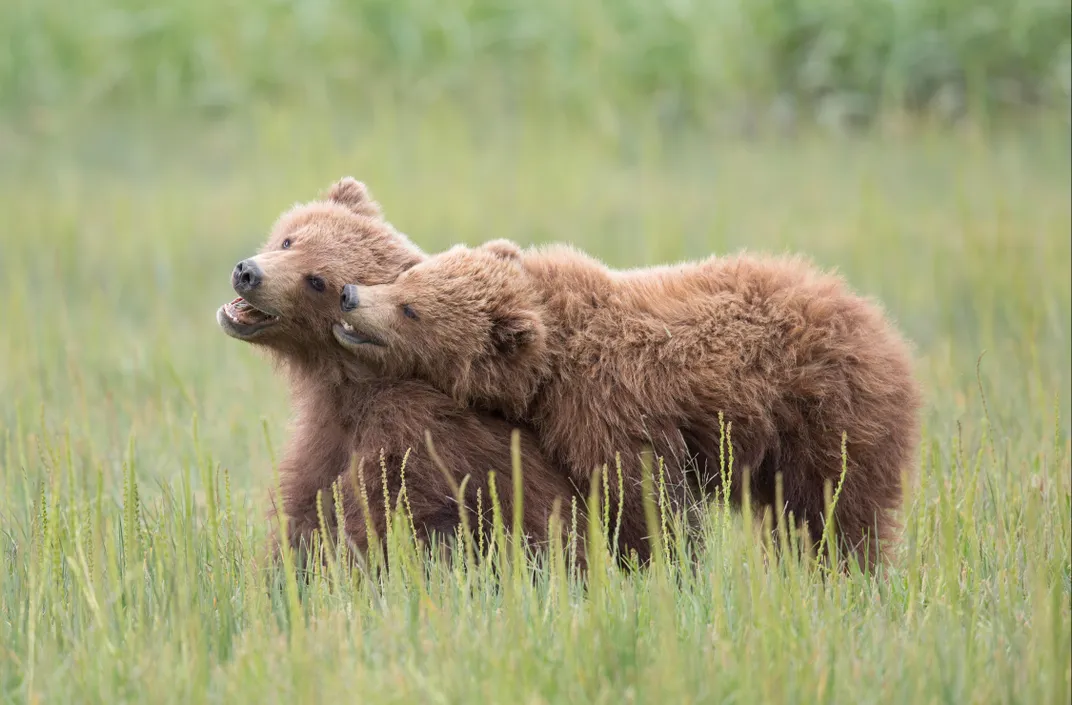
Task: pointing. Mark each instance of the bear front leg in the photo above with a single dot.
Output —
(430, 496)
(625, 509)
(316, 455)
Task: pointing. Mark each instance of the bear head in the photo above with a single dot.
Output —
(468, 321)
(288, 293)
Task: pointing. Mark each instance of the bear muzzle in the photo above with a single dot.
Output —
(349, 299)
(247, 276)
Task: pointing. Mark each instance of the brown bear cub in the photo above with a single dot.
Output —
(288, 301)
(605, 362)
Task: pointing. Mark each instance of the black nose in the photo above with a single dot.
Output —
(246, 276)
(349, 298)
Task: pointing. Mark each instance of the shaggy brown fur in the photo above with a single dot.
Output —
(289, 302)
(604, 362)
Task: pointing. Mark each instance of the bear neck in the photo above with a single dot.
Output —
(330, 382)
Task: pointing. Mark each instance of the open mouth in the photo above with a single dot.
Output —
(352, 337)
(244, 319)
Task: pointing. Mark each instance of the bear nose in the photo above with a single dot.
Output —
(246, 276)
(349, 299)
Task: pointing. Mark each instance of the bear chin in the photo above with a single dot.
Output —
(353, 339)
(240, 319)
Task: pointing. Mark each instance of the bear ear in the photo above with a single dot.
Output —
(353, 194)
(503, 249)
(515, 333)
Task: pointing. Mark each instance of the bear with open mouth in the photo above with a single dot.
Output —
(346, 414)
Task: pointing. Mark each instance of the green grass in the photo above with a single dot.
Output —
(136, 440)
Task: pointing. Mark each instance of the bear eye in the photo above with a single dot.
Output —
(316, 282)
(286, 244)
(408, 312)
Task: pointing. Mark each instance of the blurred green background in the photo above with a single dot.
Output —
(682, 60)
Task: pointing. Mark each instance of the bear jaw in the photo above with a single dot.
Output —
(353, 339)
(240, 319)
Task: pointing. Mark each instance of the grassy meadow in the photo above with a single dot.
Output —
(138, 443)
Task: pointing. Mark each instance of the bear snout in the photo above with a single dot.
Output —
(349, 300)
(247, 276)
